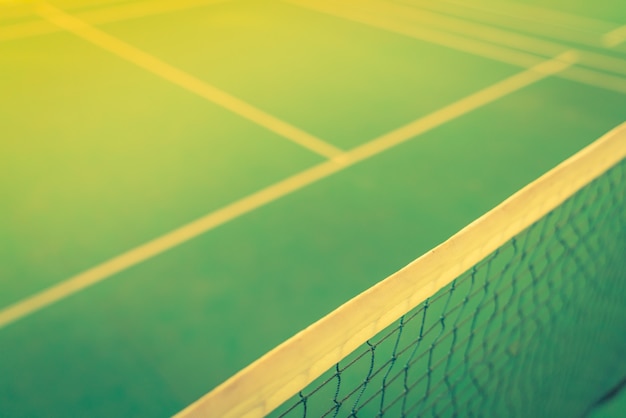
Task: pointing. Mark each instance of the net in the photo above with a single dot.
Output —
(535, 329)
(521, 313)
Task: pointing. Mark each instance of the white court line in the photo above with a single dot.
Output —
(615, 37)
(282, 188)
(184, 80)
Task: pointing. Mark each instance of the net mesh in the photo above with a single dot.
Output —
(535, 329)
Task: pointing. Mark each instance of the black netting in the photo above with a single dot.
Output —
(536, 329)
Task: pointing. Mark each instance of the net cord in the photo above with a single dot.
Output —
(268, 382)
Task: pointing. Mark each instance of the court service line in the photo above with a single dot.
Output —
(105, 15)
(476, 47)
(182, 79)
(282, 188)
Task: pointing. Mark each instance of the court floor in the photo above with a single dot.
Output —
(187, 184)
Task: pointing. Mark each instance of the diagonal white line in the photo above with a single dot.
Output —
(614, 37)
(283, 188)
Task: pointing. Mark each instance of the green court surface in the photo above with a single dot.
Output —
(100, 155)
